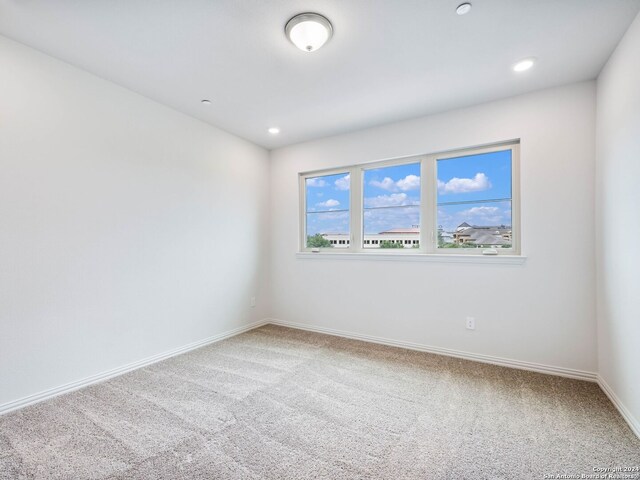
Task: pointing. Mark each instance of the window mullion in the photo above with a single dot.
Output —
(516, 228)
(303, 214)
(428, 184)
(356, 213)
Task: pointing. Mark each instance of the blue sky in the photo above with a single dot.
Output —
(476, 178)
(328, 204)
(391, 198)
(392, 195)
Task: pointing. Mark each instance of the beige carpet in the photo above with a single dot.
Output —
(277, 403)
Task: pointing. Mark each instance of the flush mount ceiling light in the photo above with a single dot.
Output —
(205, 102)
(524, 65)
(463, 8)
(274, 130)
(308, 31)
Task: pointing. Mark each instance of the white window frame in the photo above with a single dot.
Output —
(428, 205)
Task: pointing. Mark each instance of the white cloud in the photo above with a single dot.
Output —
(316, 182)
(393, 200)
(386, 184)
(465, 185)
(343, 183)
(482, 211)
(483, 215)
(376, 221)
(328, 222)
(410, 182)
(329, 203)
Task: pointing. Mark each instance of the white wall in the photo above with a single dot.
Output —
(126, 229)
(542, 311)
(618, 210)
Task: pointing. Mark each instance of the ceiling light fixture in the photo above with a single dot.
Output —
(524, 65)
(205, 102)
(308, 31)
(463, 8)
(274, 130)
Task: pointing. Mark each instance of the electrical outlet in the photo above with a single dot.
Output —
(471, 323)
(253, 302)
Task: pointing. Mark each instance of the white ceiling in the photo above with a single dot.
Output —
(388, 59)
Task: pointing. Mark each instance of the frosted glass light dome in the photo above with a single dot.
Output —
(309, 31)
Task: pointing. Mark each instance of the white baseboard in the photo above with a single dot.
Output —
(535, 367)
(633, 423)
(100, 377)
(477, 357)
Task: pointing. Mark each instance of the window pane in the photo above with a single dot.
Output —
(327, 215)
(474, 201)
(391, 207)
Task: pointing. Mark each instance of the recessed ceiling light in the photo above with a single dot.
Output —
(274, 130)
(463, 8)
(205, 102)
(524, 65)
(308, 31)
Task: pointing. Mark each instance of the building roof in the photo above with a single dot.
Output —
(501, 228)
(400, 230)
(487, 238)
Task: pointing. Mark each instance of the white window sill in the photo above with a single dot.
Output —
(416, 257)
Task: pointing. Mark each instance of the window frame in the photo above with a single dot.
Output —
(428, 203)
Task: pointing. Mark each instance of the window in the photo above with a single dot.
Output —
(461, 202)
(327, 210)
(391, 204)
(474, 200)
